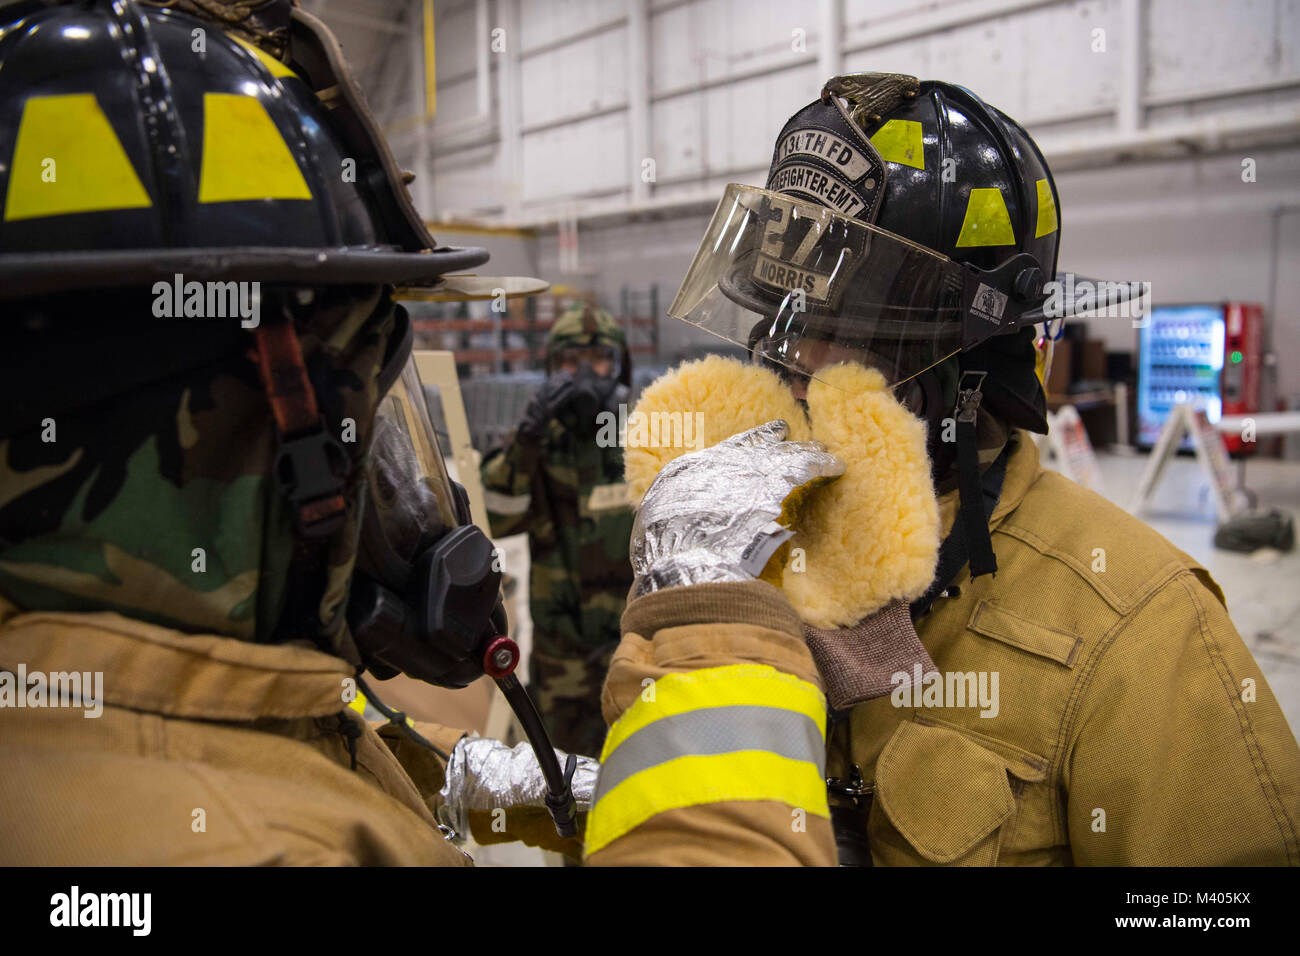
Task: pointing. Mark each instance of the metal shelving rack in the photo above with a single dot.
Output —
(639, 316)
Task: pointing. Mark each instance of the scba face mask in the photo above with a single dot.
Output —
(410, 501)
(424, 598)
(426, 590)
(593, 394)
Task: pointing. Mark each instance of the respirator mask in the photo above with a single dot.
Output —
(425, 597)
(591, 375)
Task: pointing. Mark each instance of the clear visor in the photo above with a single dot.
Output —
(410, 492)
(805, 288)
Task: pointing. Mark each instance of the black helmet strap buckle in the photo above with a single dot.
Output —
(994, 302)
(310, 465)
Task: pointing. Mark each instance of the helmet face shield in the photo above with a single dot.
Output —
(804, 288)
(409, 500)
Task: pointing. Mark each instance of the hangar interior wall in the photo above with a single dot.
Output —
(620, 121)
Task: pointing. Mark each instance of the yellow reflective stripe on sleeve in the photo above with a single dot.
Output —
(899, 141)
(271, 63)
(734, 685)
(67, 159)
(244, 155)
(741, 732)
(1046, 209)
(987, 221)
(698, 779)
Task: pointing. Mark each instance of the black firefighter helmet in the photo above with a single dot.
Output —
(143, 148)
(906, 225)
(140, 142)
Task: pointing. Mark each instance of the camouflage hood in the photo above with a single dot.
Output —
(137, 478)
(582, 324)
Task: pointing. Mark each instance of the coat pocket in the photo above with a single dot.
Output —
(940, 799)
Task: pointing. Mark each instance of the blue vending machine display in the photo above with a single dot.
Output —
(1180, 359)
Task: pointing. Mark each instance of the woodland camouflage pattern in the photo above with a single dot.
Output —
(580, 573)
(108, 515)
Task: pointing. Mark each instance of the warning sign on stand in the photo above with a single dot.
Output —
(1211, 455)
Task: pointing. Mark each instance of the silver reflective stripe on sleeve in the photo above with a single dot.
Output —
(714, 730)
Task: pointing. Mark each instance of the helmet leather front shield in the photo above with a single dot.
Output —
(805, 288)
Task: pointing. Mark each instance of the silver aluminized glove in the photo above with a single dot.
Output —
(711, 515)
(485, 774)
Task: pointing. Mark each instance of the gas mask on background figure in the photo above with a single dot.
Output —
(590, 378)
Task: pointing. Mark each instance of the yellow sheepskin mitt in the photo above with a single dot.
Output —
(716, 398)
(868, 538)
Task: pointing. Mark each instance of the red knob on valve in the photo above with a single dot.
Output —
(500, 658)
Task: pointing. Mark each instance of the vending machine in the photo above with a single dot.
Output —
(1207, 355)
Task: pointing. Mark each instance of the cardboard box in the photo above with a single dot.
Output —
(1092, 361)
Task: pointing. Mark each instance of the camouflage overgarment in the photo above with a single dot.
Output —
(157, 502)
(568, 495)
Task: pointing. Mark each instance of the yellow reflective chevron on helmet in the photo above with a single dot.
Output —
(1046, 209)
(67, 159)
(899, 141)
(987, 222)
(244, 155)
(271, 63)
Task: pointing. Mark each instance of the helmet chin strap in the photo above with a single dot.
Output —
(971, 511)
(310, 469)
(972, 519)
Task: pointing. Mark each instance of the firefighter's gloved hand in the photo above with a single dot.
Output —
(719, 514)
(547, 402)
(484, 774)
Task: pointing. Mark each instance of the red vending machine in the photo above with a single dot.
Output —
(1209, 355)
(1243, 362)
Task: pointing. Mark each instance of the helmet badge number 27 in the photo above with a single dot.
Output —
(804, 253)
